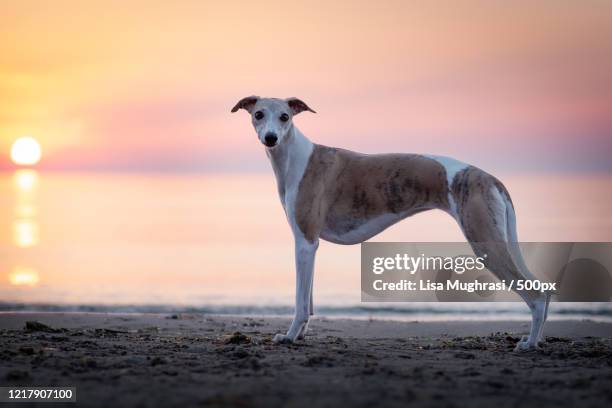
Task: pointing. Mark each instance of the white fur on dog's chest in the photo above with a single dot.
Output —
(291, 170)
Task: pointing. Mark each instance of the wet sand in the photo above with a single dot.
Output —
(201, 360)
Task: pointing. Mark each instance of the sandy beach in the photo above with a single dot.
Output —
(202, 360)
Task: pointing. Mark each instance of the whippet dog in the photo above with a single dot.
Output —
(346, 198)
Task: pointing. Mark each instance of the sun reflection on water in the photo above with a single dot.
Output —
(25, 180)
(25, 225)
(23, 276)
(25, 233)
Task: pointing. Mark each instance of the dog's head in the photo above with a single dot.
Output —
(272, 118)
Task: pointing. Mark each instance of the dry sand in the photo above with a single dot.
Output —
(197, 360)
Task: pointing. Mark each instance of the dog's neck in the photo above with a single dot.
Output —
(289, 161)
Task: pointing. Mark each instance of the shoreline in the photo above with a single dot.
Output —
(477, 325)
(403, 312)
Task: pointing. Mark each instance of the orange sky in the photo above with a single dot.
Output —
(148, 86)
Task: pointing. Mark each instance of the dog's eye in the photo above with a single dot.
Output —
(259, 115)
(284, 117)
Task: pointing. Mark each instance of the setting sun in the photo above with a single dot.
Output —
(25, 151)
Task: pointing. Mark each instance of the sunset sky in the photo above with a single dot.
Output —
(509, 86)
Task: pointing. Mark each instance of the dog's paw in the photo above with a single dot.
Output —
(302, 334)
(525, 345)
(282, 339)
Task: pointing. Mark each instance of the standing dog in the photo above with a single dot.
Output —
(346, 198)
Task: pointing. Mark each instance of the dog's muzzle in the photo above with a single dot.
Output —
(270, 140)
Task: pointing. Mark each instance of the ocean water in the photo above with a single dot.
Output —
(220, 243)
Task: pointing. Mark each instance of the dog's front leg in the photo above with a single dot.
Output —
(304, 264)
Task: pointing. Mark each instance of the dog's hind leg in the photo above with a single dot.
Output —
(487, 220)
(538, 306)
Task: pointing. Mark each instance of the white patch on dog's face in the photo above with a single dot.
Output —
(272, 120)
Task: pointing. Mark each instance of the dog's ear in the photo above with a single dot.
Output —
(297, 105)
(246, 103)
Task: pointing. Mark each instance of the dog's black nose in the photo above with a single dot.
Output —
(270, 139)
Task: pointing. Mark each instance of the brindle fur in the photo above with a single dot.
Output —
(472, 191)
(342, 190)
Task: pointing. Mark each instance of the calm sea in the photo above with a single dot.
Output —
(220, 243)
